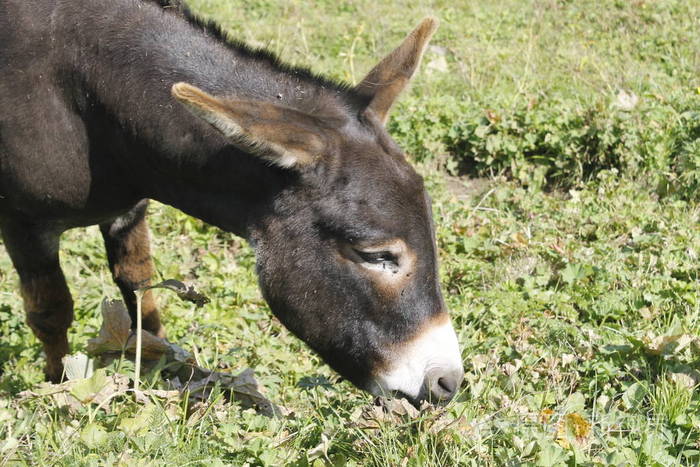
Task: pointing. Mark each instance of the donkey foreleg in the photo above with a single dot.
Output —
(128, 251)
(47, 300)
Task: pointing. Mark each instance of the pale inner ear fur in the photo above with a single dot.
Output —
(276, 134)
(206, 107)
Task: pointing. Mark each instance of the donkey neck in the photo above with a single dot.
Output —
(172, 156)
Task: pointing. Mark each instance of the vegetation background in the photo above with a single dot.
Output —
(561, 143)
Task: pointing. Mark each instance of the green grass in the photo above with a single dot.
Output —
(570, 265)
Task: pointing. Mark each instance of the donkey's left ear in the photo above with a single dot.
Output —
(391, 76)
(282, 136)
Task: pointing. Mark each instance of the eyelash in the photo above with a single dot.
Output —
(377, 257)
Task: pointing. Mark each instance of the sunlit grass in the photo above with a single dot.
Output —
(570, 304)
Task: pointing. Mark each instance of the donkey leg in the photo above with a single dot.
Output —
(47, 300)
(128, 251)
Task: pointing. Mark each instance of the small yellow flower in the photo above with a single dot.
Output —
(573, 428)
(697, 89)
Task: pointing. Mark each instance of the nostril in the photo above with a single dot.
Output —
(440, 385)
(444, 387)
(447, 384)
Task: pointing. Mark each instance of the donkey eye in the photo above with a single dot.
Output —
(379, 259)
(375, 256)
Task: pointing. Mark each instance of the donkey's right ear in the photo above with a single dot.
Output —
(283, 136)
(390, 77)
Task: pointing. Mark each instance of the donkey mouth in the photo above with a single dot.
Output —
(440, 397)
(436, 390)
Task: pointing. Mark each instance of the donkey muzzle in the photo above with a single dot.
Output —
(426, 368)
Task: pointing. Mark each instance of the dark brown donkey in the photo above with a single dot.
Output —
(106, 104)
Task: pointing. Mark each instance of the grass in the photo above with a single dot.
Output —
(570, 264)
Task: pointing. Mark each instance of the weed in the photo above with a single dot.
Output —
(570, 268)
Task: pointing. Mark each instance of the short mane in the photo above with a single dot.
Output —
(213, 29)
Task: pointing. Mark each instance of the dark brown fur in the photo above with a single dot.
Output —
(296, 163)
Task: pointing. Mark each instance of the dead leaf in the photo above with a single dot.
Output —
(519, 240)
(400, 408)
(667, 344)
(481, 361)
(646, 313)
(152, 347)
(179, 367)
(147, 396)
(321, 450)
(388, 411)
(684, 379)
(78, 393)
(626, 101)
(559, 247)
(567, 359)
(78, 366)
(115, 330)
(510, 369)
(492, 116)
(243, 388)
(460, 424)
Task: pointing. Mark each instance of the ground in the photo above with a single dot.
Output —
(560, 144)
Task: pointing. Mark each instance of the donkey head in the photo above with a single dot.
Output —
(346, 256)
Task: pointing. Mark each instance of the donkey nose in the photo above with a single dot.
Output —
(443, 385)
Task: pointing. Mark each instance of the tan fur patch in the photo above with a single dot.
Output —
(134, 266)
(134, 263)
(391, 283)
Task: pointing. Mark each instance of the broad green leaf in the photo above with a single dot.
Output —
(93, 435)
(86, 389)
(551, 455)
(132, 426)
(576, 402)
(634, 396)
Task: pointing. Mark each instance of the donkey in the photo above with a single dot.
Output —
(103, 107)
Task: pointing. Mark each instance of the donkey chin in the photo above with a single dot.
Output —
(426, 368)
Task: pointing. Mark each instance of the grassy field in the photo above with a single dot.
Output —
(560, 141)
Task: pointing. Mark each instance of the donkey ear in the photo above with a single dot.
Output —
(391, 76)
(283, 136)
